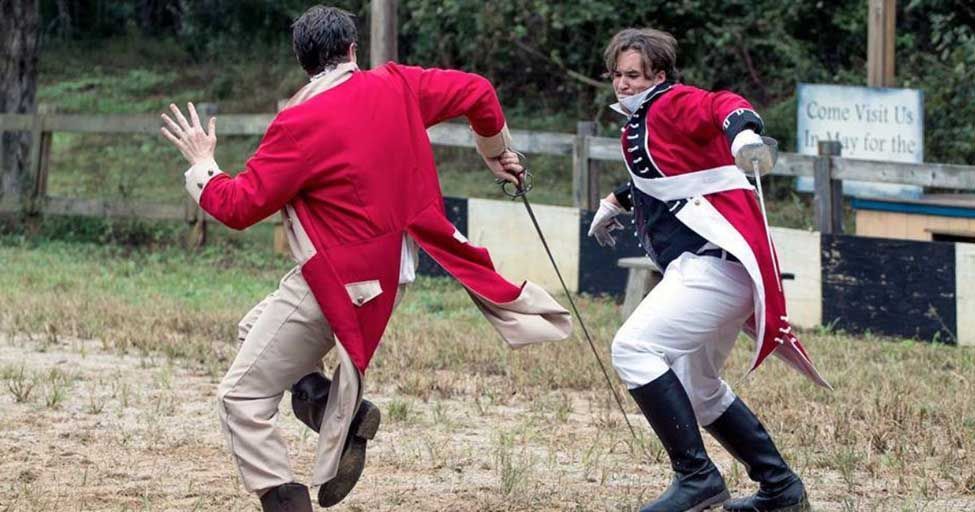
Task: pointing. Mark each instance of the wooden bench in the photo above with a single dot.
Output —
(642, 277)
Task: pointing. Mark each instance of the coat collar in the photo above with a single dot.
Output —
(648, 96)
(323, 82)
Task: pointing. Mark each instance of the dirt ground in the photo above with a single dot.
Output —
(99, 431)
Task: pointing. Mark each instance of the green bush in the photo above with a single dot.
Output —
(544, 55)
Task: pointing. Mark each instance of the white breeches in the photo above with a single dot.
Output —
(688, 323)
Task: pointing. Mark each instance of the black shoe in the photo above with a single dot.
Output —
(697, 484)
(353, 461)
(308, 399)
(286, 498)
(780, 490)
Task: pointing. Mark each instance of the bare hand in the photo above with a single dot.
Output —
(506, 167)
(193, 142)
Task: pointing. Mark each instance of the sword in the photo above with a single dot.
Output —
(756, 170)
(525, 185)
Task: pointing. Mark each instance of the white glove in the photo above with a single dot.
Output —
(747, 148)
(604, 222)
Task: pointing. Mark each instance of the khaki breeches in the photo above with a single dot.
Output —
(284, 338)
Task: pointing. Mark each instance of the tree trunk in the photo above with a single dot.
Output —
(151, 16)
(19, 36)
(65, 24)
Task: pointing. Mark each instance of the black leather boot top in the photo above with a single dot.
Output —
(742, 434)
(697, 483)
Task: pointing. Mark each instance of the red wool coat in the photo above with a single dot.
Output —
(354, 164)
(676, 150)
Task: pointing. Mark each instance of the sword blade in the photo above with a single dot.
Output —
(585, 330)
(768, 230)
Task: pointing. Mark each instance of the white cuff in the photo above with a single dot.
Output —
(493, 146)
(744, 138)
(199, 175)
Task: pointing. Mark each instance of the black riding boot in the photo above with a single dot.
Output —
(286, 498)
(697, 484)
(780, 490)
(308, 399)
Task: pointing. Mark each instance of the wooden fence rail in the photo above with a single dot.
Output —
(584, 148)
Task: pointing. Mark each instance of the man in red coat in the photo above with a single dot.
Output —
(349, 165)
(699, 219)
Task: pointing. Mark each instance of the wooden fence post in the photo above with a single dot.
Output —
(881, 36)
(198, 233)
(595, 168)
(32, 201)
(382, 32)
(828, 191)
(44, 163)
(582, 194)
(280, 237)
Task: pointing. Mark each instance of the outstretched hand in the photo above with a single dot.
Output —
(196, 144)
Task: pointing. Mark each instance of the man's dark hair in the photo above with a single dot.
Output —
(321, 38)
(657, 48)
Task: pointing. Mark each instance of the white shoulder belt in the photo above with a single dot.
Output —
(683, 186)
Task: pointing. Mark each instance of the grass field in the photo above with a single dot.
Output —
(113, 338)
(109, 359)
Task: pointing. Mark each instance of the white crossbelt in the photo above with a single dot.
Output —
(683, 186)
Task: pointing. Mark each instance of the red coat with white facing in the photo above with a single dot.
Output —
(676, 147)
(352, 166)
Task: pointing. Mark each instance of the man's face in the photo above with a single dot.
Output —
(629, 78)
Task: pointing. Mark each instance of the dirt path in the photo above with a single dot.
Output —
(99, 431)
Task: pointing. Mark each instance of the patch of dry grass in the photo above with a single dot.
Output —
(179, 304)
(469, 424)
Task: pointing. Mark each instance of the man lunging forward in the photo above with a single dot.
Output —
(349, 165)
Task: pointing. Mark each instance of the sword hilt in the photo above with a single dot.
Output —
(525, 184)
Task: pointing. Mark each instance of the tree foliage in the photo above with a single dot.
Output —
(546, 56)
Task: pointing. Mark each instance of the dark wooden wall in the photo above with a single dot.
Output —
(894, 287)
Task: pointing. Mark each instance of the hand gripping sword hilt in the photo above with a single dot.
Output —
(526, 181)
